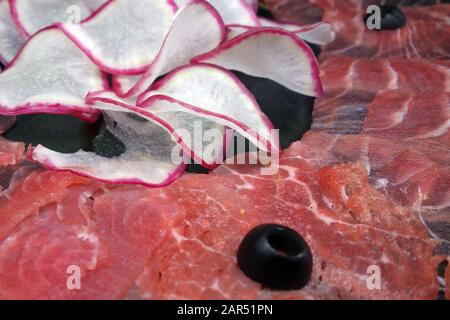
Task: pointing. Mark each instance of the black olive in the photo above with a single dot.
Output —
(275, 256)
(392, 17)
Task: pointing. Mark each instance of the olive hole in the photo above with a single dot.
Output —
(284, 244)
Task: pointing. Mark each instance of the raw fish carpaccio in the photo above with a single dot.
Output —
(369, 185)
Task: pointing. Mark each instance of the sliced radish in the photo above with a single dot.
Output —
(206, 32)
(147, 159)
(203, 140)
(125, 36)
(318, 33)
(34, 15)
(11, 40)
(236, 12)
(270, 53)
(252, 4)
(213, 93)
(50, 75)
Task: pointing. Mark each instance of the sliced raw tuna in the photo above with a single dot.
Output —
(413, 173)
(350, 86)
(396, 114)
(304, 11)
(10, 152)
(40, 80)
(426, 34)
(11, 40)
(57, 221)
(328, 205)
(134, 242)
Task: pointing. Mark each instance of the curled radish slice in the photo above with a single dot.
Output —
(50, 75)
(216, 94)
(206, 32)
(270, 53)
(201, 139)
(125, 36)
(34, 15)
(252, 4)
(150, 157)
(236, 12)
(11, 40)
(318, 33)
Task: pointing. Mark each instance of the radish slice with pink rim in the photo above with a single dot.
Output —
(232, 11)
(318, 33)
(203, 140)
(147, 160)
(216, 94)
(236, 12)
(41, 79)
(11, 39)
(270, 53)
(124, 37)
(34, 15)
(206, 32)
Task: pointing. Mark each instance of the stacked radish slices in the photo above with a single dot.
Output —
(57, 65)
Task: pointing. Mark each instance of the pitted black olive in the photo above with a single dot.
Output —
(392, 17)
(275, 256)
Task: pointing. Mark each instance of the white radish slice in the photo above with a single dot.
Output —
(203, 140)
(270, 53)
(318, 33)
(147, 159)
(252, 4)
(11, 39)
(236, 12)
(125, 36)
(50, 75)
(216, 94)
(34, 15)
(206, 32)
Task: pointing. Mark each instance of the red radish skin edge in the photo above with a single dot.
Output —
(117, 87)
(125, 72)
(52, 108)
(92, 98)
(16, 18)
(141, 102)
(314, 64)
(47, 164)
(301, 28)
